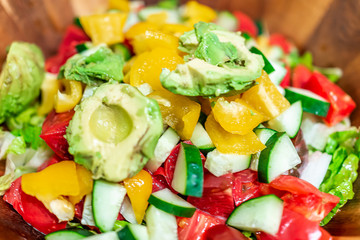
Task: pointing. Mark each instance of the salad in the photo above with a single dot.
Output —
(167, 122)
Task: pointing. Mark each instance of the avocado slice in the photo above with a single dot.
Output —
(20, 79)
(94, 66)
(114, 132)
(218, 63)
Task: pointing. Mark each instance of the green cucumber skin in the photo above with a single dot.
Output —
(195, 174)
(126, 234)
(307, 104)
(172, 209)
(265, 157)
(71, 234)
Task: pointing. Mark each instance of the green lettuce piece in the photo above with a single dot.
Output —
(342, 171)
(341, 184)
(94, 68)
(345, 139)
(27, 124)
(17, 146)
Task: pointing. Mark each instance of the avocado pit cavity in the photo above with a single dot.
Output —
(110, 123)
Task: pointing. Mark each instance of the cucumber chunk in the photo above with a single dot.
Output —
(104, 236)
(106, 202)
(169, 202)
(163, 148)
(278, 157)
(133, 232)
(188, 175)
(200, 138)
(289, 121)
(220, 163)
(258, 214)
(311, 102)
(161, 225)
(69, 234)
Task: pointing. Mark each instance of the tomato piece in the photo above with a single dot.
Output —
(53, 131)
(194, 228)
(245, 186)
(79, 208)
(73, 36)
(341, 104)
(277, 39)
(217, 198)
(32, 210)
(304, 198)
(158, 180)
(223, 232)
(246, 24)
(294, 224)
(286, 80)
(301, 75)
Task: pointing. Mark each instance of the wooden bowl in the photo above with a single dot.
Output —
(330, 29)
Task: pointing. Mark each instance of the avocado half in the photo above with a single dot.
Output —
(114, 132)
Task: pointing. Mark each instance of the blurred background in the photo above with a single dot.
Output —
(330, 29)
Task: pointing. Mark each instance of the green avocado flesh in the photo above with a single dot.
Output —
(93, 67)
(20, 79)
(114, 132)
(218, 63)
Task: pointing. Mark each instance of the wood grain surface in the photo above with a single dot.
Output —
(330, 29)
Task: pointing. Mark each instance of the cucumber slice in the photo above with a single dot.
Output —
(133, 232)
(69, 234)
(169, 202)
(268, 68)
(163, 148)
(263, 134)
(278, 75)
(106, 202)
(220, 163)
(160, 225)
(188, 175)
(278, 157)
(227, 20)
(104, 236)
(200, 138)
(258, 214)
(289, 121)
(311, 102)
(172, 14)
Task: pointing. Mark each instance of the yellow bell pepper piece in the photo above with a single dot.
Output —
(139, 189)
(195, 12)
(266, 98)
(236, 116)
(59, 179)
(148, 66)
(175, 29)
(227, 142)
(72, 96)
(105, 28)
(140, 28)
(152, 39)
(178, 111)
(158, 18)
(85, 180)
(122, 5)
(49, 89)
